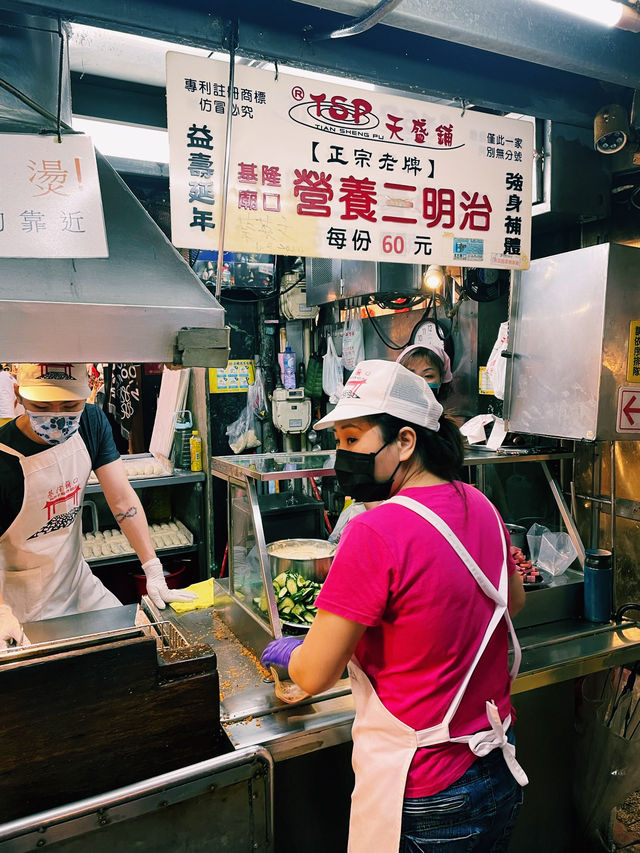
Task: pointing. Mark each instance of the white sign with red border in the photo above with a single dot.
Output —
(319, 169)
(50, 205)
(628, 418)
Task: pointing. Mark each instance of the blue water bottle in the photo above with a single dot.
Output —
(289, 364)
(598, 585)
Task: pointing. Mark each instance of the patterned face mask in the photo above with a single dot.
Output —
(55, 427)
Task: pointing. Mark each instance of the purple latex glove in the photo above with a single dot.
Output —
(278, 652)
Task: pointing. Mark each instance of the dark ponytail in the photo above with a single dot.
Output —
(441, 453)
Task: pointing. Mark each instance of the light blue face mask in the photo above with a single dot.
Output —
(435, 386)
(55, 427)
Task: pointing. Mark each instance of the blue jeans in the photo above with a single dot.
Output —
(476, 814)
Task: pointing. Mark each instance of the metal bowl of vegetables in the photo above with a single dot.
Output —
(298, 568)
(310, 558)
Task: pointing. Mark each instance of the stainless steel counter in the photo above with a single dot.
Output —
(251, 714)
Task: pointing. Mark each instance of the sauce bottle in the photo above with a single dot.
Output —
(195, 447)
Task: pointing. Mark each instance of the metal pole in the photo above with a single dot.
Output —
(233, 38)
(613, 518)
(572, 530)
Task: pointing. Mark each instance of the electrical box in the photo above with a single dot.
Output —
(332, 280)
(291, 410)
(574, 346)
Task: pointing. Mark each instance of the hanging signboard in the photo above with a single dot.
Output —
(318, 169)
(51, 205)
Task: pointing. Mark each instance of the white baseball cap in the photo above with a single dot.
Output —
(50, 383)
(386, 387)
(439, 351)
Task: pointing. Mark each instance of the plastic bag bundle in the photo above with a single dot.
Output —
(497, 365)
(553, 552)
(313, 382)
(242, 432)
(352, 341)
(332, 375)
(607, 771)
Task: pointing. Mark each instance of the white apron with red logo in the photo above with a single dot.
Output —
(383, 746)
(42, 570)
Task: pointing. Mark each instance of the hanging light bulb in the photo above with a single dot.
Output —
(434, 277)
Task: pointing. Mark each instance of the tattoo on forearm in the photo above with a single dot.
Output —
(120, 516)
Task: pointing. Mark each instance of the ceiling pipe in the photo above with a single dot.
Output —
(360, 24)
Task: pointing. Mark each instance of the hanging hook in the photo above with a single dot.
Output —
(60, 71)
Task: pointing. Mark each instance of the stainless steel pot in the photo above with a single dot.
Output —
(297, 555)
(518, 535)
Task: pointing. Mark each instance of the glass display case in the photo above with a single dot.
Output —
(269, 497)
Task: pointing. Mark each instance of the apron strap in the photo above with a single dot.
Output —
(500, 596)
(6, 449)
(497, 595)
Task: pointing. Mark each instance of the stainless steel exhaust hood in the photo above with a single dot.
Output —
(142, 303)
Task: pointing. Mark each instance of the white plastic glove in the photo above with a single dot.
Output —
(10, 629)
(157, 588)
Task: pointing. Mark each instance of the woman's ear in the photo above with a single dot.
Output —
(407, 442)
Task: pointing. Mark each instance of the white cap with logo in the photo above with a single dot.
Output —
(386, 387)
(49, 383)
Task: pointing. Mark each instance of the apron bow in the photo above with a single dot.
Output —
(484, 742)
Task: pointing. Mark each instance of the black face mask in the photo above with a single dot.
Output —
(355, 473)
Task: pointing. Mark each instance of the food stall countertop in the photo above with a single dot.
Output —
(251, 713)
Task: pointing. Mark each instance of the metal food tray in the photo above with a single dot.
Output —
(136, 459)
(160, 550)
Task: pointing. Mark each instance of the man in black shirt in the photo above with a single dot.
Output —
(46, 456)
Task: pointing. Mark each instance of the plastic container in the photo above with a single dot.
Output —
(598, 585)
(195, 447)
(289, 364)
(182, 423)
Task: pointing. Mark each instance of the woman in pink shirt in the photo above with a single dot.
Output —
(417, 604)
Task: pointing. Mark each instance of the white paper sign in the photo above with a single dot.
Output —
(319, 169)
(50, 204)
(474, 430)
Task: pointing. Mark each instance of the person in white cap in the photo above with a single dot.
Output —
(417, 603)
(46, 457)
(432, 363)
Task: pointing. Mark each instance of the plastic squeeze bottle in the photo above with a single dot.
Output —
(195, 446)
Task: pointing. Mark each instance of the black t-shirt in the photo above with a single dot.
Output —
(95, 431)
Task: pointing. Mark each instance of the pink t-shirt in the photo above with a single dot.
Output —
(426, 616)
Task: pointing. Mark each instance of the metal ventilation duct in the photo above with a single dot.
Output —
(142, 303)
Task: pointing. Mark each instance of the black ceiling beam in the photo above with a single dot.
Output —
(411, 62)
(118, 100)
(522, 29)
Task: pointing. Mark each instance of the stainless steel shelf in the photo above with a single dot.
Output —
(174, 479)
(274, 466)
(485, 457)
(116, 559)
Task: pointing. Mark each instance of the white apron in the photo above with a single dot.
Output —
(383, 746)
(42, 571)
